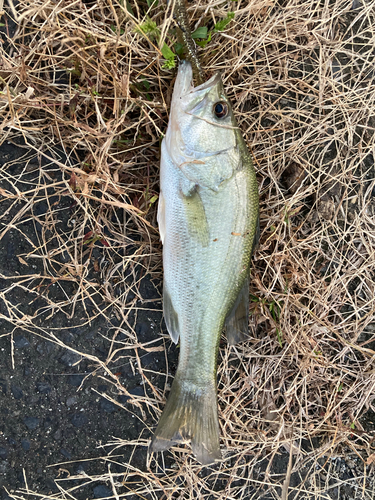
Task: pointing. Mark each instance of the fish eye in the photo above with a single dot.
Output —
(221, 109)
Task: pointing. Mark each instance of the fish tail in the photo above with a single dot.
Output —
(190, 414)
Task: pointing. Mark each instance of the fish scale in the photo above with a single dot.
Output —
(208, 221)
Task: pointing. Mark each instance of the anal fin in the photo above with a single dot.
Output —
(170, 316)
(237, 321)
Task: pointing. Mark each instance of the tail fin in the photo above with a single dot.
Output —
(190, 414)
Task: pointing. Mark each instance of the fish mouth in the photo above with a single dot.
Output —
(184, 82)
(214, 80)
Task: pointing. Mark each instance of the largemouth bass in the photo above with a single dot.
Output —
(208, 223)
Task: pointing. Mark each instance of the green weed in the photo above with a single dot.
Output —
(206, 36)
(150, 29)
(274, 308)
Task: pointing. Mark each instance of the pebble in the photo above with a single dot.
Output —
(25, 443)
(57, 435)
(107, 406)
(65, 453)
(45, 348)
(16, 391)
(79, 420)
(356, 4)
(72, 400)
(81, 468)
(20, 342)
(142, 329)
(43, 387)
(70, 358)
(3, 453)
(31, 422)
(47, 423)
(123, 398)
(102, 491)
(67, 338)
(51, 487)
(75, 380)
(137, 391)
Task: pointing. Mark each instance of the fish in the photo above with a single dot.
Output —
(208, 218)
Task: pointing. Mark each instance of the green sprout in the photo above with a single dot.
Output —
(279, 335)
(206, 36)
(169, 57)
(150, 30)
(114, 29)
(223, 23)
(275, 309)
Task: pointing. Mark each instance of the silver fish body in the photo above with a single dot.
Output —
(208, 222)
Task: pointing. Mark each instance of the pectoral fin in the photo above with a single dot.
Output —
(237, 321)
(170, 316)
(196, 218)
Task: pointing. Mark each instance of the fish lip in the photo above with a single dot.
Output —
(184, 81)
(214, 80)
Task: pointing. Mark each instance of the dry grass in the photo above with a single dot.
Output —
(301, 77)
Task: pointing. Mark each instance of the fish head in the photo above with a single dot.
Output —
(201, 121)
